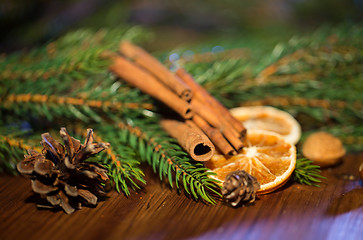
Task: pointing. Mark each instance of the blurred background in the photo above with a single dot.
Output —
(25, 23)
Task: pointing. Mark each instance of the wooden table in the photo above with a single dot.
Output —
(333, 211)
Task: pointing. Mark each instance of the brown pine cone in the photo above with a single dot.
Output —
(60, 174)
(239, 187)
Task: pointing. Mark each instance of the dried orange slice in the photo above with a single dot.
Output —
(269, 118)
(266, 155)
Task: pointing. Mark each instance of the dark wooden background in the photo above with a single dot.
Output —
(333, 211)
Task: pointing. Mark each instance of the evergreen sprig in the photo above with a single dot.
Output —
(13, 146)
(307, 173)
(10, 154)
(121, 161)
(169, 160)
(98, 98)
(123, 167)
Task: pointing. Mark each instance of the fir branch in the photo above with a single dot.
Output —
(123, 166)
(50, 100)
(293, 63)
(171, 162)
(12, 150)
(71, 67)
(97, 99)
(120, 160)
(18, 143)
(307, 173)
(72, 56)
(309, 58)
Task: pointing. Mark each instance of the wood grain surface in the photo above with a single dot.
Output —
(333, 211)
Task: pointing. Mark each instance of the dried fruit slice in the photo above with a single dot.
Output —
(269, 118)
(267, 156)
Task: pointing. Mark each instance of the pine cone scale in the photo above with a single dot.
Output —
(41, 188)
(89, 174)
(44, 167)
(72, 145)
(68, 163)
(64, 203)
(25, 168)
(55, 149)
(88, 196)
(53, 199)
(70, 190)
(101, 172)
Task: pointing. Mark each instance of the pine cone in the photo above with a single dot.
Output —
(60, 174)
(239, 187)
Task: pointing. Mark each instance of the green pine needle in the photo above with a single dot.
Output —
(121, 161)
(307, 173)
(13, 146)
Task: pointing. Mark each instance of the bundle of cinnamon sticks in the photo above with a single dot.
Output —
(207, 123)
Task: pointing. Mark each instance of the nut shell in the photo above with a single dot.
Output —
(323, 149)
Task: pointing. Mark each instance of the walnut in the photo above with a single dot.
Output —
(323, 149)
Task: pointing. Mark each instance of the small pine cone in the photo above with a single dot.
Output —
(239, 186)
(60, 174)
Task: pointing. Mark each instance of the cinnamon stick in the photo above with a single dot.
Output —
(210, 114)
(147, 61)
(204, 108)
(147, 83)
(199, 90)
(192, 139)
(215, 136)
(205, 112)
